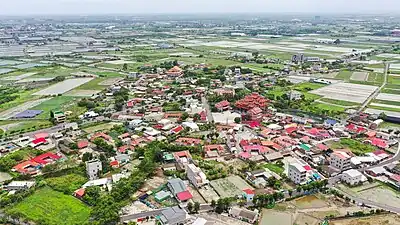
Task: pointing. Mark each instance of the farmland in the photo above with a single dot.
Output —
(346, 92)
(51, 207)
(230, 186)
(64, 86)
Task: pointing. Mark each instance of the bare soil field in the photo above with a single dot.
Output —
(310, 201)
(359, 76)
(64, 86)
(270, 217)
(388, 97)
(81, 93)
(372, 220)
(110, 81)
(346, 92)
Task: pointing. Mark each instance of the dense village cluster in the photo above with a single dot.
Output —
(207, 121)
(208, 153)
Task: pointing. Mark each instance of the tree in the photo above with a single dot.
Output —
(213, 204)
(238, 120)
(87, 156)
(190, 207)
(125, 67)
(196, 207)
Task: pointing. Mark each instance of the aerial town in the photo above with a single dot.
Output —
(196, 120)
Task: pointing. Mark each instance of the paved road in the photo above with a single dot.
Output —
(207, 108)
(203, 207)
(140, 215)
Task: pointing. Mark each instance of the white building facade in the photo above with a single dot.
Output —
(297, 173)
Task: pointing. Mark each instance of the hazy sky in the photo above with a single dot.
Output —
(24, 7)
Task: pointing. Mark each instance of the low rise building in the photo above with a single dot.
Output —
(19, 185)
(196, 176)
(93, 169)
(353, 177)
(244, 214)
(340, 160)
(297, 173)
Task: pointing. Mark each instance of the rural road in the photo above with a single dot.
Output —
(207, 108)
(377, 91)
(203, 207)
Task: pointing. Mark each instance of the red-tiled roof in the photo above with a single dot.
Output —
(379, 142)
(255, 111)
(46, 158)
(307, 167)
(222, 104)
(249, 191)
(185, 195)
(82, 144)
(177, 129)
(291, 130)
(114, 163)
(22, 167)
(39, 141)
(41, 135)
(80, 192)
(395, 177)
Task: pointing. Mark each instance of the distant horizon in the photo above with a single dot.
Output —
(190, 7)
(388, 14)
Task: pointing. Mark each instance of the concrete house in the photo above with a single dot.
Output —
(93, 168)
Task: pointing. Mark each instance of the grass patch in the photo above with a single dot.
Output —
(333, 108)
(23, 96)
(388, 125)
(274, 168)
(93, 84)
(67, 183)
(391, 91)
(384, 108)
(394, 80)
(344, 75)
(100, 127)
(304, 87)
(387, 102)
(355, 146)
(338, 102)
(55, 103)
(46, 206)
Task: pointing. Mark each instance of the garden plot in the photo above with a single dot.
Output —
(82, 93)
(346, 91)
(359, 76)
(270, 216)
(395, 66)
(110, 81)
(9, 62)
(388, 55)
(119, 62)
(5, 70)
(379, 111)
(309, 202)
(230, 186)
(19, 77)
(25, 106)
(28, 65)
(388, 97)
(380, 194)
(62, 87)
(31, 80)
(385, 105)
